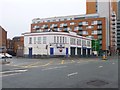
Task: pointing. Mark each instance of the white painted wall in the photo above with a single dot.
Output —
(40, 49)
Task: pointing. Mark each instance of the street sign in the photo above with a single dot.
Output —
(95, 45)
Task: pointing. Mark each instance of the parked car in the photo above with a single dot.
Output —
(8, 55)
(1, 56)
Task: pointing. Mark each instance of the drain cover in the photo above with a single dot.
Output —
(97, 83)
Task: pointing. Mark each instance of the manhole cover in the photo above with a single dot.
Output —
(97, 83)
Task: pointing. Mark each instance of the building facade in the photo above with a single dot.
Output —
(56, 44)
(118, 35)
(18, 45)
(107, 9)
(3, 39)
(85, 25)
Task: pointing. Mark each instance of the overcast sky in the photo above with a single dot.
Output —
(17, 15)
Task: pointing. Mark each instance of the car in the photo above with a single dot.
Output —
(1, 56)
(8, 55)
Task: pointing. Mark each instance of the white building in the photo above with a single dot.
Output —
(56, 43)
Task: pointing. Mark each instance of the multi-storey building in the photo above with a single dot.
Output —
(118, 35)
(90, 25)
(10, 46)
(18, 45)
(3, 39)
(118, 27)
(107, 9)
(56, 44)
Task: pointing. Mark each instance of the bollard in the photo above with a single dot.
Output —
(104, 57)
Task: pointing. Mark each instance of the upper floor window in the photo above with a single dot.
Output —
(94, 32)
(30, 40)
(57, 39)
(88, 43)
(44, 40)
(34, 40)
(100, 27)
(72, 23)
(39, 40)
(85, 33)
(83, 42)
(54, 39)
(85, 23)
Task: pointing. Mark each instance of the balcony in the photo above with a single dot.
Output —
(55, 26)
(80, 24)
(65, 25)
(99, 23)
(113, 23)
(36, 27)
(113, 19)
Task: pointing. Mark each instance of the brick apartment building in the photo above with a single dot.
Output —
(3, 39)
(100, 22)
(90, 25)
(107, 9)
(10, 46)
(18, 45)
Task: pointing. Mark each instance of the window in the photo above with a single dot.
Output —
(60, 39)
(65, 19)
(30, 40)
(85, 23)
(72, 23)
(44, 40)
(83, 43)
(94, 23)
(54, 39)
(61, 25)
(34, 40)
(100, 27)
(57, 39)
(88, 43)
(39, 40)
(65, 39)
(94, 32)
(80, 24)
(48, 20)
(100, 37)
(72, 41)
(85, 32)
(89, 27)
(78, 41)
(99, 22)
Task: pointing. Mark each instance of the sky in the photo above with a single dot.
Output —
(16, 15)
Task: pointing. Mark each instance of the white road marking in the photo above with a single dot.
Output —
(100, 66)
(113, 63)
(54, 68)
(14, 71)
(9, 75)
(72, 74)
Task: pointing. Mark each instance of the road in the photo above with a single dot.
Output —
(61, 73)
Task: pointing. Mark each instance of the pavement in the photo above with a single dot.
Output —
(61, 73)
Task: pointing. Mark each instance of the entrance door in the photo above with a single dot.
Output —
(51, 51)
(66, 51)
(84, 52)
(88, 52)
(30, 52)
(79, 52)
(72, 51)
